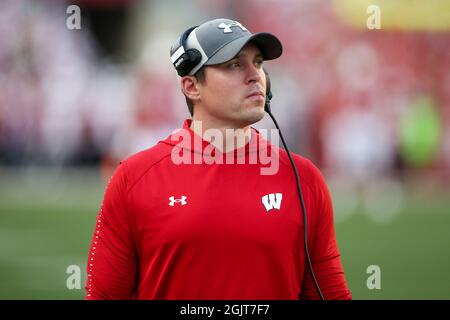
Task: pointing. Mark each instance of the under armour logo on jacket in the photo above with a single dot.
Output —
(227, 27)
(182, 200)
(272, 201)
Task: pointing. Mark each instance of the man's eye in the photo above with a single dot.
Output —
(234, 65)
(259, 63)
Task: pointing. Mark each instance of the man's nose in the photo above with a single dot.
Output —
(253, 74)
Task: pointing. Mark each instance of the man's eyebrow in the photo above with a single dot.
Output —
(242, 53)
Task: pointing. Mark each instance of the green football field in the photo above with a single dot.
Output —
(47, 218)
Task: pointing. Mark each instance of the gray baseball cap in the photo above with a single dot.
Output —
(220, 40)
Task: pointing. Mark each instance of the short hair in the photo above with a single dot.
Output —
(200, 76)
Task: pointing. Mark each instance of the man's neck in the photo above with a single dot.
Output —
(222, 136)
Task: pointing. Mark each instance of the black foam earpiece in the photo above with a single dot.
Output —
(190, 57)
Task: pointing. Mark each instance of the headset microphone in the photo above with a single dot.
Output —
(268, 95)
(299, 190)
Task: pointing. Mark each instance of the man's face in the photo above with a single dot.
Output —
(234, 92)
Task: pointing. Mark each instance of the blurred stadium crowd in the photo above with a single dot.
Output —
(353, 100)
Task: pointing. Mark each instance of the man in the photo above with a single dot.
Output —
(195, 216)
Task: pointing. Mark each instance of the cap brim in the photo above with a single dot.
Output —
(269, 45)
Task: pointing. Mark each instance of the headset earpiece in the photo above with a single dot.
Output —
(188, 59)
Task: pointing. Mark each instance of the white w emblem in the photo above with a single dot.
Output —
(272, 201)
(227, 27)
(182, 200)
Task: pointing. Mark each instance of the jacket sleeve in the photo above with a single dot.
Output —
(112, 260)
(322, 246)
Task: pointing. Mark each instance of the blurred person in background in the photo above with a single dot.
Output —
(215, 229)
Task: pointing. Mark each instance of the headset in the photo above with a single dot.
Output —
(184, 60)
(299, 190)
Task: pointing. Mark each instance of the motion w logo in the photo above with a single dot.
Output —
(272, 201)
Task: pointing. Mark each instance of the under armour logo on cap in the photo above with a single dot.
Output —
(182, 200)
(227, 27)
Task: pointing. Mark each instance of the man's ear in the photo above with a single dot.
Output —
(189, 86)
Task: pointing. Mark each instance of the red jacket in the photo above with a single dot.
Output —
(211, 230)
